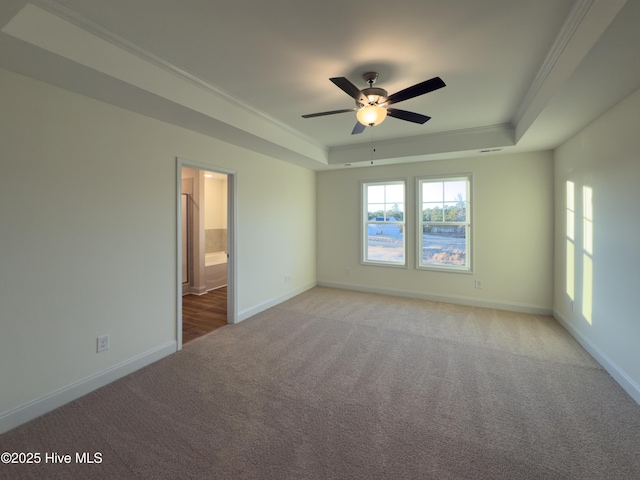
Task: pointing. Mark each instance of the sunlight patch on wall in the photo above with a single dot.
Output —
(587, 289)
(571, 265)
(571, 211)
(587, 193)
(571, 214)
(587, 262)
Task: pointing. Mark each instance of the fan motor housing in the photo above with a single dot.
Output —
(374, 94)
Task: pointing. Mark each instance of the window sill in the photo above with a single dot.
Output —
(463, 270)
(384, 264)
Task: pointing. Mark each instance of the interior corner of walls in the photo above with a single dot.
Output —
(198, 290)
(272, 302)
(618, 374)
(445, 298)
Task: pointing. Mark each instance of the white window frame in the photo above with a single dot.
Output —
(364, 223)
(468, 223)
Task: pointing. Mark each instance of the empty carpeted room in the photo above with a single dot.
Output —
(444, 290)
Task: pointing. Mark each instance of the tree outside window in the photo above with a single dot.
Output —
(444, 223)
(383, 239)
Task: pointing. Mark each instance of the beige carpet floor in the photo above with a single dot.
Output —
(347, 385)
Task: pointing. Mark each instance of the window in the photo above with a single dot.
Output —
(444, 223)
(383, 222)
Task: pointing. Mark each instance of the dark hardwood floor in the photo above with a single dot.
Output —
(202, 314)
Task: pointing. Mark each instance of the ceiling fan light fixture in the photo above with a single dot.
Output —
(372, 102)
(371, 115)
(375, 95)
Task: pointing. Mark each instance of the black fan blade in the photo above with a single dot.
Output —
(408, 116)
(332, 112)
(350, 89)
(415, 91)
(359, 128)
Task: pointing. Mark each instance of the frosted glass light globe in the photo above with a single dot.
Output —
(371, 115)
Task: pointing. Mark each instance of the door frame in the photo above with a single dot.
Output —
(232, 287)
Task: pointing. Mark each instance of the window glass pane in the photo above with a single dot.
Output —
(432, 192)
(395, 194)
(455, 191)
(395, 212)
(432, 212)
(444, 201)
(385, 242)
(455, 212)
(375, 193)
(444, 245)
(376, 211)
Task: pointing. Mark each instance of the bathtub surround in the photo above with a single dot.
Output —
(215, 212)
(215, 270)
(215, 240)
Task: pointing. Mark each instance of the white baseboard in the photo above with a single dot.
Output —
(199, 290)
(29, 411)
(470, 301)
(618, 374)
(250, 312)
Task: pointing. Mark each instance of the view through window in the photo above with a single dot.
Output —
(384, 223)
(444, 223)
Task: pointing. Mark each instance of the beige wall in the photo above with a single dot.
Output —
(88, 234)
(604, 281)
(215, 203)
(513, 233)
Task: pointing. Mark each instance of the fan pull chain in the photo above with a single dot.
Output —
(373, 149)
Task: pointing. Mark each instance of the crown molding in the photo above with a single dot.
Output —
(586, 22)
(571, 24)
(127, 45)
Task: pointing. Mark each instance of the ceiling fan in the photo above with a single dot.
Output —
(372, 103)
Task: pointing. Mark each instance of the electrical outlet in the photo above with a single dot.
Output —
(103, 343)
(287, 278)
(478, 283)
(347, 270)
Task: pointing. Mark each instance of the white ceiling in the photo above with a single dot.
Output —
(521, 75)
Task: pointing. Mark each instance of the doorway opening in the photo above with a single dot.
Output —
(206, 296)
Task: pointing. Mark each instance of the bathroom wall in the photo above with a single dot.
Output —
(215, 212)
